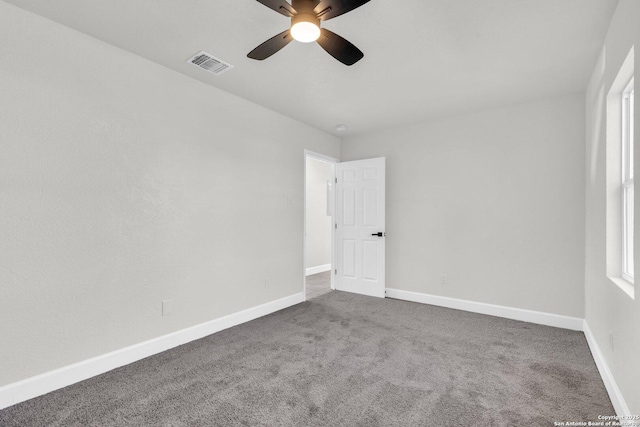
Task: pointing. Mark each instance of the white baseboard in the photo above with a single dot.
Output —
(615, 395)
(538, 317)
(317, 269)
(49, 381)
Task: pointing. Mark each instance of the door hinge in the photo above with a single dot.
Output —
(336, 226)
(335, 271)
(336, 180)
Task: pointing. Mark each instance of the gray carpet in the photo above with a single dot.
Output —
(345, 360)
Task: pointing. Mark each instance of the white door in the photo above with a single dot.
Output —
(360, 241)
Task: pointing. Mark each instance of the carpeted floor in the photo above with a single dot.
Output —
(345, 360)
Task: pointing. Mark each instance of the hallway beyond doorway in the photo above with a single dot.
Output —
(318, 284)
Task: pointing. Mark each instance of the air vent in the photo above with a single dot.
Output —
(210, 63)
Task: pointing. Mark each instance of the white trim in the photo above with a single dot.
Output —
(321, 157)
(615, 395)
(627, 179)
(538, 317)
(53, 380)
(624, 285)
(318, 269)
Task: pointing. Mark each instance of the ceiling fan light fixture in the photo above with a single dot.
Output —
(305, 27)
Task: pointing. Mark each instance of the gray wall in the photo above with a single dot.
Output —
(123, 184)
(494, 199)
(609, 310)
(318, 223)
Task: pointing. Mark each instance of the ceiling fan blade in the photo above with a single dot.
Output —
(271, 46)
(341, 49)
(280, 6)
(329, 9)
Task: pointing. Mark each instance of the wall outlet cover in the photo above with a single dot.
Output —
(167, 307)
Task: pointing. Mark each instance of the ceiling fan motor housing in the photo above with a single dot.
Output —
(303, 6)
(305, 13)
(305, 17)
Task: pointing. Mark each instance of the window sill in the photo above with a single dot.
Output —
(626, 287)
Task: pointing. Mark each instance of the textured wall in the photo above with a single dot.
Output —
(123, 184)
(318, 223)
(609, 310)
(494, 200)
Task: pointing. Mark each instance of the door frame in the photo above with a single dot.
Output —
(333, 161)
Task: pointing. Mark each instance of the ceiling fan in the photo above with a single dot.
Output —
(305, 27)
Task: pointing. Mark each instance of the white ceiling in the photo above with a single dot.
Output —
(423, 58)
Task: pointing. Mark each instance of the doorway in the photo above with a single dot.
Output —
(319, 203)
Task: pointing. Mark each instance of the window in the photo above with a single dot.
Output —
(627, 191)
(619, 148)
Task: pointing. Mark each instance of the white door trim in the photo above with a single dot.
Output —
(333, 161)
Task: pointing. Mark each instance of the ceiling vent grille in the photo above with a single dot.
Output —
(210, 63)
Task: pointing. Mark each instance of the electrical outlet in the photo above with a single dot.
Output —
(266, 284)
(289, 201)
(167, 307)
(444, 279)
(611, 341)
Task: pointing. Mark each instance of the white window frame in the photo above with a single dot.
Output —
(627, 188)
